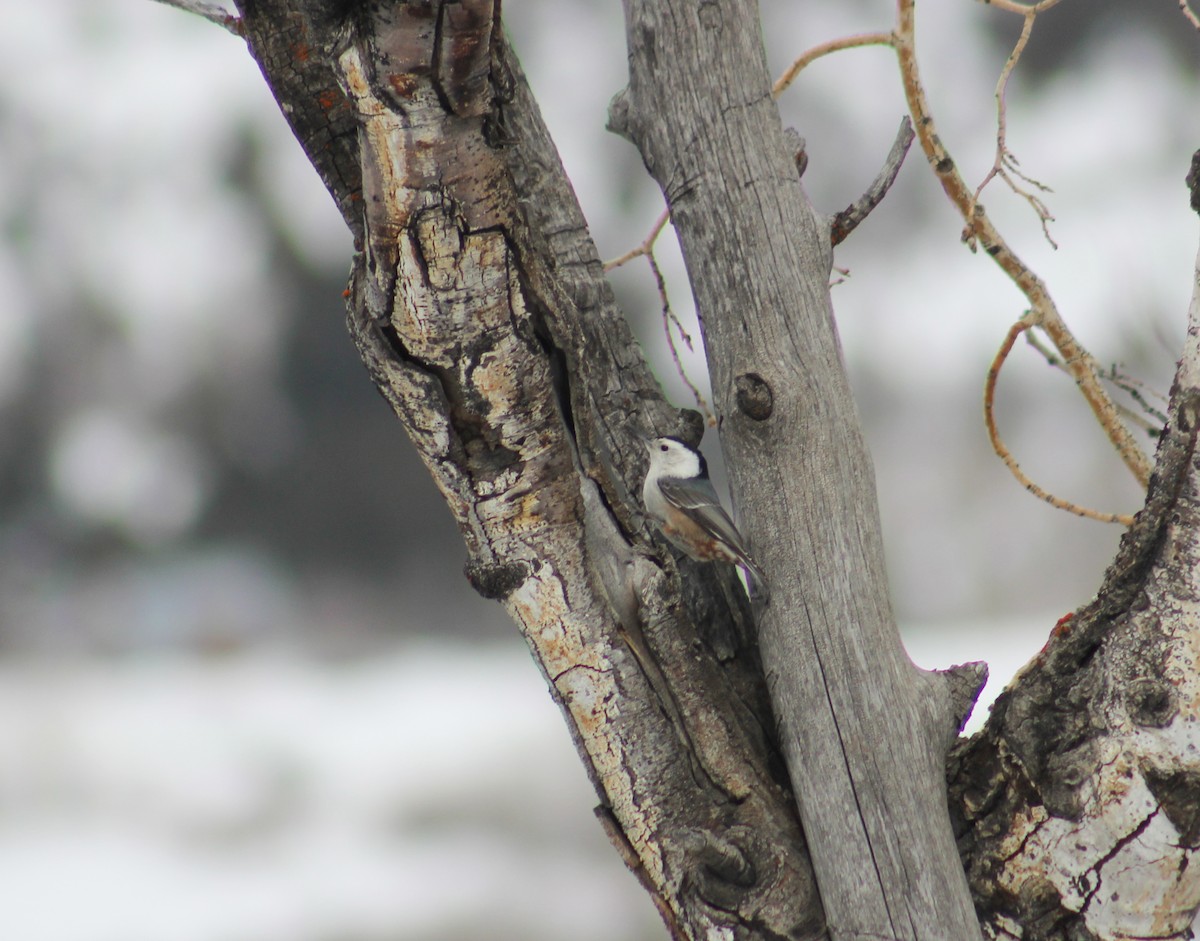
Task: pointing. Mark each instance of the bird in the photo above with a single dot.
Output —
(680, 498)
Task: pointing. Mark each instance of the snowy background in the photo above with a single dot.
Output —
(245, 692)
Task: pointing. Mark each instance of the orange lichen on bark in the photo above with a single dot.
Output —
(403, 84)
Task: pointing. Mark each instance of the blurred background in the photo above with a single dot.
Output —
(241, 675)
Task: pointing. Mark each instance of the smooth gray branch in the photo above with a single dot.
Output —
(848, 219)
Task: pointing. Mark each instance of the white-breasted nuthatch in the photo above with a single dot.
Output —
(681, 499)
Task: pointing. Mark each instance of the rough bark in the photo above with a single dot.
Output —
(1078, 806)
(479, 306)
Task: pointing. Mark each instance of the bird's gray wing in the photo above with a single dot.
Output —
(700, 501)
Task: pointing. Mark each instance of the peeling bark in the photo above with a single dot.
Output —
(479, 306)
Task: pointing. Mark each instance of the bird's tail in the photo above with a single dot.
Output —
(760, 589)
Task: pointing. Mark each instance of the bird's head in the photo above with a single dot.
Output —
(670, 457)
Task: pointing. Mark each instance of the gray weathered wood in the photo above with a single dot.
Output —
(864, 746)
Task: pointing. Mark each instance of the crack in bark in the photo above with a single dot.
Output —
(1033, 831)
(1120, 845)
(1141, 543)
(595, 384)
(849, 772)
(575, 668)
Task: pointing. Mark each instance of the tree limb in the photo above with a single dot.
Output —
(979, 228)
(213, 12)
(479, 306)
(1077, 803)
(863, 735)
(849, 218)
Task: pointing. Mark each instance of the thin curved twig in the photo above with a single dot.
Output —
(1001, 449)
(669, 318)
(816, 52)
(1189, 13)
(1043, 311)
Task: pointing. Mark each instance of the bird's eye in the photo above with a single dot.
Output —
(663, 448)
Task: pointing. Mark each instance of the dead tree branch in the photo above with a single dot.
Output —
(1006, 165)
(816, 52)
(213, 12)
(1043, 312)
(1001, 449)
(849, 218)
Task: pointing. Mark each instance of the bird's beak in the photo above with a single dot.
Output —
(646, 440)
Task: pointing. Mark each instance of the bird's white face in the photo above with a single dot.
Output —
(671, 458)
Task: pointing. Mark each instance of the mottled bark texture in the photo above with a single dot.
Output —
(479, 306)
(1078, 807)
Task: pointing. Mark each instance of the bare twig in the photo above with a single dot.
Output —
(848, 219)
(824, 49)
(1188, 12)
(1136, 418)
(212, 12)
(781, 84)
(647, 246)
(1001, 449)
(1006, 166)
(1140, 393)
(1017, 6)
(669, 319)
(1043, 312)
(1134, 388)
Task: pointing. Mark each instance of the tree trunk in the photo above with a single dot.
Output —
(863, 731)
(479, 306)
